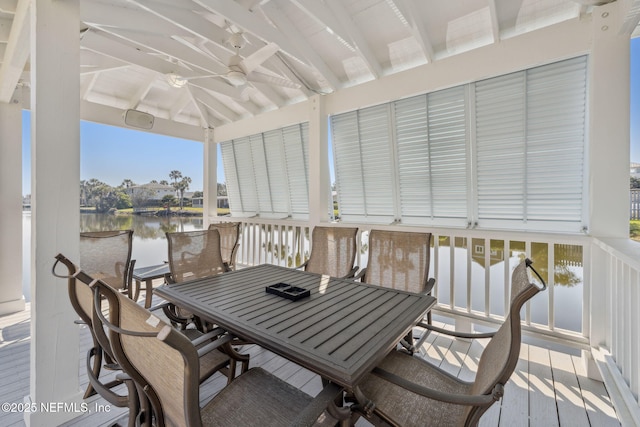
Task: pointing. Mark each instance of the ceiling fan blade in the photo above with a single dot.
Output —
(259, 77)
(256, 59)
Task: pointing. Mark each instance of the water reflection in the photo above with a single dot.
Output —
(149, 241)
(488, 288)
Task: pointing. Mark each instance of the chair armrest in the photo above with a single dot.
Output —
(301, 266)
(212, 334)
(214, 344)
(470, 335)
(457, 399)
(430, 284)
(317, 406)
(352, 273)
(360, 275)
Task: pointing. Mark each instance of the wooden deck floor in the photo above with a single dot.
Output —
(548, 388)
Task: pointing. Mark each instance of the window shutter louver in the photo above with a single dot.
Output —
(296, 142)
(448, 141)
(500, 147)
(556, 106)
(266, 173)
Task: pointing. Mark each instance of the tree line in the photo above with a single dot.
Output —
(103, 197)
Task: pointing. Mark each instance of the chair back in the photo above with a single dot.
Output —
(399, 260)
(333, 251)
(194, 254)
(161, 360)
(229, 237)
(500, 356)
(81, 297)
(106, 255)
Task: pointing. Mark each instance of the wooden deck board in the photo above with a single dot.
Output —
(547, 388)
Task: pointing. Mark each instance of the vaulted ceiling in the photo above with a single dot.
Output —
(212, 62)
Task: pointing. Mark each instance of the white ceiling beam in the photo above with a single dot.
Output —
(8, 6)
(204, 116)
(288, 29)
(179, 105)
(363, 49)
(495, 24)
(16, 53)
(142, 92)
(408, 10)
(5, 29)
(102, 44)
(631, 18)
(250, 22)
(184, 18)
(318, 11)
(87, 85)
(114, 116)
(92, 62)
(104, 14)
(225, 113)
(181, 15)
(171, 48)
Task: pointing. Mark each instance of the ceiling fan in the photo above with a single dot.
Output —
(240, 70)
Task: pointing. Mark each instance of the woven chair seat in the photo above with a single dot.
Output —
(258, 398)
(408, 409)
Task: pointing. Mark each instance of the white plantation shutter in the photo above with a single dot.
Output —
(266, 173)
(364, 166)
(239, 174)
(414, 174)
(556, 107)
(348, 165)
(500, 147)
(448, 140)
(530, 142)
(277, 175)
(297, 160)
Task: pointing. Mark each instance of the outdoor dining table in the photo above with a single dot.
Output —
(341, 331)
(148, 275)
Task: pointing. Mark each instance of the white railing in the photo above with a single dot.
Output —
(592, 301)
(472, 269)
(616, 322)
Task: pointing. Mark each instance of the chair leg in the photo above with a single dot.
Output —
(94, 369)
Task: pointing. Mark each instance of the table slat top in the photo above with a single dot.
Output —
(340, 332)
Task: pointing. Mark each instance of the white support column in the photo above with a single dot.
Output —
(609, 157)
(318, 162)
(55, 178)
(210, 177)
(11, 298)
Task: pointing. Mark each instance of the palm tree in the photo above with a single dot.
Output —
(181, 187)
(175, 176)
(127, 183)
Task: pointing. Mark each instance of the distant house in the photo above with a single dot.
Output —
(151, 191)
(635, 170)
(223, 202)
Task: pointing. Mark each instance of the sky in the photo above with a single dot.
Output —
(112, 154)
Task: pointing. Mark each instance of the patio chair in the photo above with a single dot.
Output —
(229, 241)
(81, 298)
(333, 251)
(106, 255)
(399, 260)
(192, 255)
(409, 391)
(164, 363)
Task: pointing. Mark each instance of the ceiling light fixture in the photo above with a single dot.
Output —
(176, 80)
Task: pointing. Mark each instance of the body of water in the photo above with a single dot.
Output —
(149, 240)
